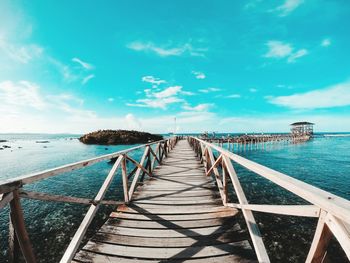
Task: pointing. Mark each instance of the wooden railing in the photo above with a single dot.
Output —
(11, 191)
(333, 212)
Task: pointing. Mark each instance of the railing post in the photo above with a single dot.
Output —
(224, 182)
(125, 179)
(19, 226)
(149, 161)
(320, 241)
(13, 250)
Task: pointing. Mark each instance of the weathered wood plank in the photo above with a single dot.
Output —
(88, 257)
(174, 217)
(227, 237)
(169, 253)
(66, 199)
(161, 225)
(168, 232)
(169, 210)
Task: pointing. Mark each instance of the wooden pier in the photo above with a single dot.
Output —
(176, 215)
(176, 208)
(234, 143)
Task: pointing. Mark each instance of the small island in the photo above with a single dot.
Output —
(116, 137)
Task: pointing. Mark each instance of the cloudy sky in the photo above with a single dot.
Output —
(225, 66)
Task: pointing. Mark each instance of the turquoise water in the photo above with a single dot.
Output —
(323, 162)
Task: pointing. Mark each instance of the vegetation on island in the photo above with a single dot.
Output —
(115, 137)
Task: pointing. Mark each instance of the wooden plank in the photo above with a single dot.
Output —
(292, 210)
(88, 257)
(174, 217)
(166, 210)
(65, 199)
(178, 202)
(166, 253)
(161, 225)
(227, 237)
(248, 215)
(79, 234)
(168, 232)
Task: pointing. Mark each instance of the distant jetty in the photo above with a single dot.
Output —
(116, 137)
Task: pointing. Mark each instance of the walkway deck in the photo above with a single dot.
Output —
(176, 216)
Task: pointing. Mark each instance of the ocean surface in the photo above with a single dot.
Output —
(323, 162)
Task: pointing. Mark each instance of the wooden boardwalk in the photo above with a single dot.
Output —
(175, 216)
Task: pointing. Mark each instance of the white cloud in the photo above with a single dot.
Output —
(233, 96)
(300, 53)
(167, 92)
(21, 94)
(188, 93)
(326, 42)
(87, 78)
(85, 65)
(288, 6)
(333, 96)
(199, 107)
(199, 75)
(209, 90)
(110, 99)
(280, 50)
(165, 51)
(20, 53)
(132, 122)
(161, 103)
(159, 99)
(153, 80)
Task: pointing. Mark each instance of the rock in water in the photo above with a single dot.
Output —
(115, 137)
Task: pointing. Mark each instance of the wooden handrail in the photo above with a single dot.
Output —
(333, 211)
(338, 206)
(10, 185)
(10, 192)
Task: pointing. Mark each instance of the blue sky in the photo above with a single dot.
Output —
(226, 66)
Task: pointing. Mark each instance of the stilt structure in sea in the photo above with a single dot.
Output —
(300, 132)
(177, 208)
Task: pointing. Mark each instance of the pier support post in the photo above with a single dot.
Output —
(13, 250)
(19, 227)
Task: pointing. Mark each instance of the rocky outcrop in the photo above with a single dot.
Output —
(115, 137)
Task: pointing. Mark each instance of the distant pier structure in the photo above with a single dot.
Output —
(300, 132)
(302, 128)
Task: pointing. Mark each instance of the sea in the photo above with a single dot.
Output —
(324, 162)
